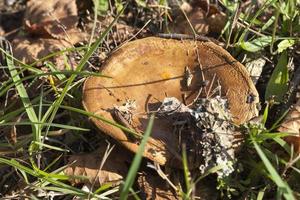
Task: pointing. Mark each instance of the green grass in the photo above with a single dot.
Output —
(42, 122)
(124, 193)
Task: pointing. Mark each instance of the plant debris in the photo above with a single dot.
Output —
(291, 124)
(29, 50)
(203, 19)
(100, 167)
(51, 27)
(51, 18)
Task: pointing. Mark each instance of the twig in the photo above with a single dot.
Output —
(186, 17)
(211, 84)
(105, 156)
(234, 22)
(134, 36)
(164, 176)
(179, 36)
(290, 164)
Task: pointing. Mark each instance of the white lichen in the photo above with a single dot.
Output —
(213, 120)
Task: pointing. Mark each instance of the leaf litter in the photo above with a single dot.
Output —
(204, 18)
(291, 124)
(103, 166)
(51, 18)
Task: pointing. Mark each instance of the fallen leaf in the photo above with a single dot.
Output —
(51, 17)
(29, 50)
(291, 124)
(113, 171)
(196, 18)
(204, 18)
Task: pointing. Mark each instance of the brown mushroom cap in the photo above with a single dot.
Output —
(148, 70)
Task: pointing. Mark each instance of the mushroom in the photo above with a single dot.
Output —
(148, 70)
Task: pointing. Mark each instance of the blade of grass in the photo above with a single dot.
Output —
(187, 175)
(7, 86)
(283, 144)
(24, 66)
(262, 8)
(282, 186)
(23, 95)
(136, 162)
(277, 122)
(103, 187)
(261, 194)
(265, 115)
(51, 147)
(46, 124)
(58, 53)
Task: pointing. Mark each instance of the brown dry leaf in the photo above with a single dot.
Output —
(119, 33)
(153, 187)
(197, 19)
(51, 17)
(113, 171)
(29, 50)
(291, 124)
(216, 22)
(203, 20)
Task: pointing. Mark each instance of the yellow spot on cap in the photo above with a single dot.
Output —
(165, 75)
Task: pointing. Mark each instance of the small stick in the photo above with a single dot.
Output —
(164, 176)
(179, 36)
(211, 84)
(218, 88)
(201, 68)
(203, 79)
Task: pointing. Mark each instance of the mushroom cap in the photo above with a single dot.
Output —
(147, 70)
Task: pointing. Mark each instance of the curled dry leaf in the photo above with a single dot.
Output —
(153, 187)
(29, 50)
(113, 171)
(51, 17)
(291, 124)
(56, 22)
(148, 70)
